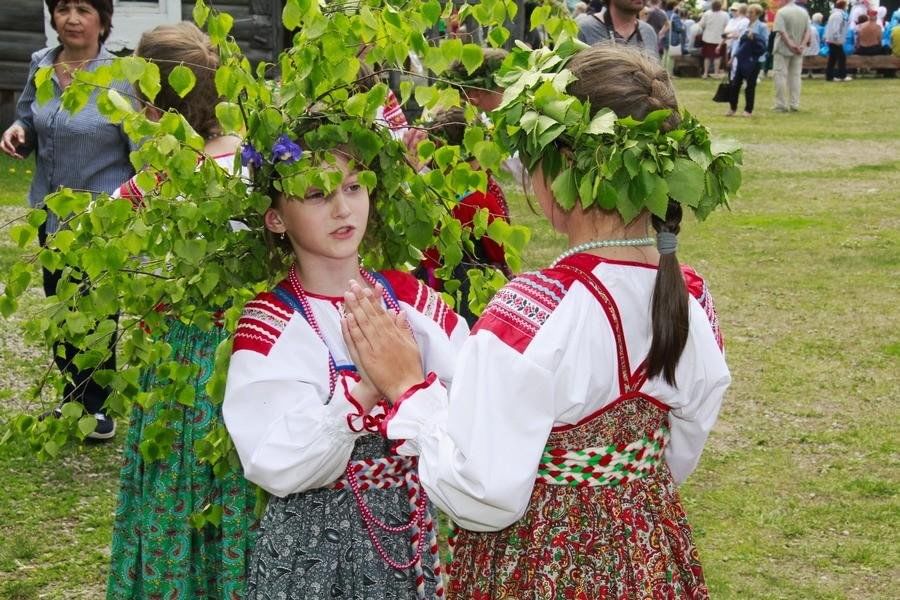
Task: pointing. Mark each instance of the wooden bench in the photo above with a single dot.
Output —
(884, 64)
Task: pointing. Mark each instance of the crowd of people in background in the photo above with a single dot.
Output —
(742, 43)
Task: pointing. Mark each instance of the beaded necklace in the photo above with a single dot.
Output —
(370, 521)
(645, 241)
(300, 293)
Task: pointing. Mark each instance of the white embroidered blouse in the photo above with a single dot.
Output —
(543, 355)
(292, 431)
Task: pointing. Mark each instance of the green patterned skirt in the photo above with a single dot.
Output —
(156, 551)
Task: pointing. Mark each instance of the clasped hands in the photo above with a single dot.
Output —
(381, 345)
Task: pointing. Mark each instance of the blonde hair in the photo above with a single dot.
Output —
(757, 9)
(184, 44)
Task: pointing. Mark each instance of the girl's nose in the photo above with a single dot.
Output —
(340, 206)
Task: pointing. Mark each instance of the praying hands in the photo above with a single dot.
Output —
(381, 344)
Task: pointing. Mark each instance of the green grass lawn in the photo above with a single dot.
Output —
(796, 495)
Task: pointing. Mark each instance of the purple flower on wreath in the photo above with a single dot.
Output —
(250, 156)
(286, 150)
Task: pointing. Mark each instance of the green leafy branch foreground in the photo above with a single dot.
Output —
(178, 256)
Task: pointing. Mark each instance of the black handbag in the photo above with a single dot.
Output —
(723, 92)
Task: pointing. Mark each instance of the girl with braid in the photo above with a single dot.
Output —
(582, 398)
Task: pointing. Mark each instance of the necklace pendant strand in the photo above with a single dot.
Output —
(620, 243)
(294, 280)
(416, 521)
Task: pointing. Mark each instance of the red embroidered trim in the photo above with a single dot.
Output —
(393, 114)
(425, 300)
(261, 324)
(517, 312)
(697, 287)
(425, 383)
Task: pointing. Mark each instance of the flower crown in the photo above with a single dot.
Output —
(287, 158)
(607, 161)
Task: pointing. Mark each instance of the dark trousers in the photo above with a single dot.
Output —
(748, 73)
(81, 387)
(837, 57)
(870, 50)
(770, 54)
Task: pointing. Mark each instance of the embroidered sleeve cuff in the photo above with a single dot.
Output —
(407, 417)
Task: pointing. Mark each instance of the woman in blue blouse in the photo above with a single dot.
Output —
(747, 60)
(82, 151)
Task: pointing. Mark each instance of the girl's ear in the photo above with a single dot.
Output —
(274, 222)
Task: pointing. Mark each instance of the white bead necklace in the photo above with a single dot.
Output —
(627, 242)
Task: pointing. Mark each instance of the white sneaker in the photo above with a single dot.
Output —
(847, 78)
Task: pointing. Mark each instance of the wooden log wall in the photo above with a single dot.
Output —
(257, 25)
(21, 34)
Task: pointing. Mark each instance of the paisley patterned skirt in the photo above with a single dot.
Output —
(156, 551)
(585, 543)
(313, 545)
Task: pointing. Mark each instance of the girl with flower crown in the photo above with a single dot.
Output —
(347, 517)
(587, 390)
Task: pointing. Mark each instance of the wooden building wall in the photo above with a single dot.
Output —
(253, 25)
(21, 33)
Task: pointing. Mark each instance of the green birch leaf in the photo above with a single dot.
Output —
(445, 155)
(218, 26)
(229, 115)
(66, 201)
(8, 305)
(629, 159)
(186, 396)
(22, 234)
(488, 155)
(86, 424)
(46, 88)
(686, 182)
(498, 36)
(657, 199)
(406, 87)
(608, 197)
(431, 11)
(539, 16)
(132, 67)
(586, 191)
(182, 80)
(472, 57)
(603, 122)
(564, 189)
(452, 49)
(72, 410)
(731, 177)
(119, 102)
(149, 82)
(200, 13)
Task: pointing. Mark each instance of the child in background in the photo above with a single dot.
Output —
(156, 550)
(347, 517)
(449, 127)
(582, 399)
